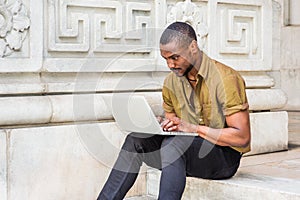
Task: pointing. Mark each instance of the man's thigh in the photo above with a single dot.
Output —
(147, 145)
(207, 160)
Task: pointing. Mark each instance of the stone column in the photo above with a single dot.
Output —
(294, 6)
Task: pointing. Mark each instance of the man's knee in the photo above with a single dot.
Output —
(176, 145)
(133, 143)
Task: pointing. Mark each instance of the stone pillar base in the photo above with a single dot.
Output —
(269, 132)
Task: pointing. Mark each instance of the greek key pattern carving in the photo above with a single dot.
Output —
(239, 30)
(99, 26)
(240, 33)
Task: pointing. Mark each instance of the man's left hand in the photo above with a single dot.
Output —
(177, 124)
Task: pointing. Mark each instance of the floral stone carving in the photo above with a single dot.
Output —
(14, 23)
(189, 12)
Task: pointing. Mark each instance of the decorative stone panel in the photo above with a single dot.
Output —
(99, 26)
(14, 24)
(21, 44)
(240, 33)
(100, 35)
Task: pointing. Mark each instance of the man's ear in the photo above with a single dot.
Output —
(194, 46)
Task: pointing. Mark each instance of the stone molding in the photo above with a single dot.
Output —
(92, 107)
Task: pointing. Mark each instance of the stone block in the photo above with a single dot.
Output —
(3, 166)
(25, 110)
(269, 132)
(290, 84)
(153, 178)
(265, 99)
(62, 162)
(21, 83)
(290, 47)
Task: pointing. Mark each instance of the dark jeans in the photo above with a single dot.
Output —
(176, 156)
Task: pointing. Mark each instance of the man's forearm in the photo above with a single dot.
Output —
(222, 137)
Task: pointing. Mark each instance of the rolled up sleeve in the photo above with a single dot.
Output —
(233, 95)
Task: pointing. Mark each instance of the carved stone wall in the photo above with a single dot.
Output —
(58, 58)
(105, 46)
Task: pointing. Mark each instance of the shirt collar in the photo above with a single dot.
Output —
(203, 70)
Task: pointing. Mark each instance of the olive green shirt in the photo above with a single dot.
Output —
(219, 92)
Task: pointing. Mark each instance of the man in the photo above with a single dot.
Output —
(200, 95)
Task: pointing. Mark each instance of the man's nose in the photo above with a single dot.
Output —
(170, 63)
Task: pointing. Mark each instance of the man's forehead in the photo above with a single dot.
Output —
(170, 47)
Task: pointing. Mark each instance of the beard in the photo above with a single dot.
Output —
(178, 70)
(188, 70)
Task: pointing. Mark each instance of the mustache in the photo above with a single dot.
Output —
(175, 69)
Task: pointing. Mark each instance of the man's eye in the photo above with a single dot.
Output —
(175, 57)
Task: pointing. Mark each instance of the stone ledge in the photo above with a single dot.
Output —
(244, 186)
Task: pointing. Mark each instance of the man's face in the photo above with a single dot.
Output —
(178, 58)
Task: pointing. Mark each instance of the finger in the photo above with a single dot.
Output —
(173, 128)
(164, 123)
(168, 125)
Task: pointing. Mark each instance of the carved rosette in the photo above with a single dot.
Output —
(189, 12)
(14, 23)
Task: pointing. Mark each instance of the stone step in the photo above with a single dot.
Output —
(242, 186)
(246, 186)
(141, 198)
(266, 176)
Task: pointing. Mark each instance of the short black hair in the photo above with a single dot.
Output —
(180, 32)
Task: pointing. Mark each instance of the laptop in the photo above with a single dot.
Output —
(133, 114)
